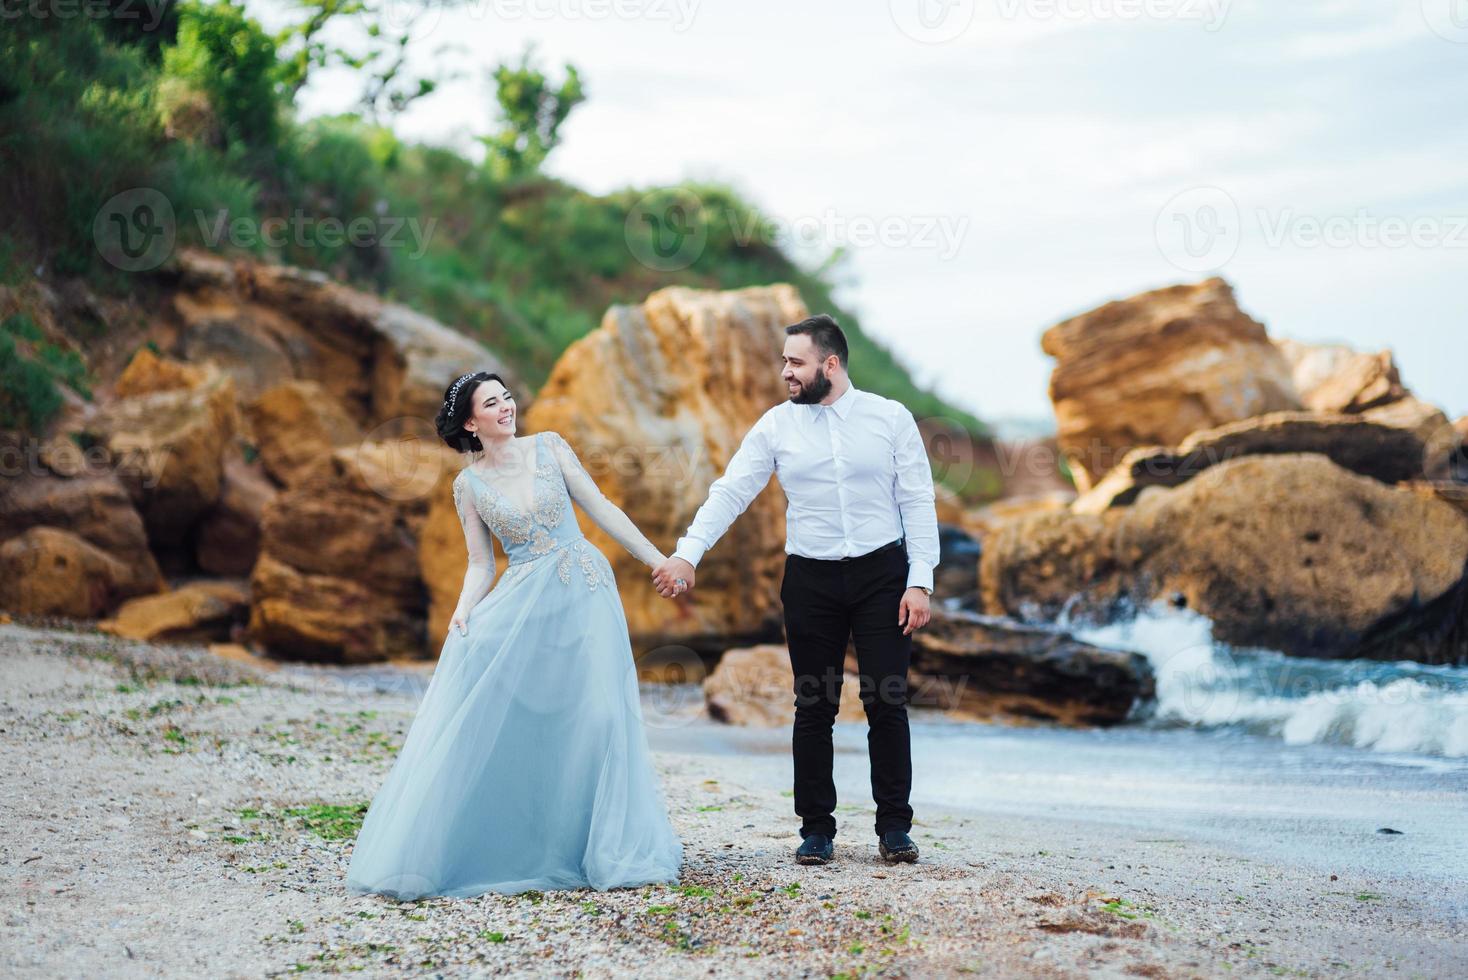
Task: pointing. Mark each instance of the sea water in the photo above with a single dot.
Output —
(1397, 707)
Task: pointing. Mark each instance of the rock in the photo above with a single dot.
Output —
(957, 575)
(655, 402)
(755, 686)
(46, 571)
(147, 374)
(1027, 468)
(294, 424)
(1336, 378)
(255, 345)
(301, 616)
(168, 447)
(241, 654)
(1384, 452)
(948, 505)
(1458, 458)
(982, 521)
(1043, 563)
(1154, 368)
(1451, 492)
(1290, 552)
(1439, 438)
(195, 613)
(387, 364)
(96, 509)
(990, 667)
(338, 574)
(341, 529)
(228, 538)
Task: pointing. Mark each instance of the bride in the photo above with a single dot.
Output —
(526, 766)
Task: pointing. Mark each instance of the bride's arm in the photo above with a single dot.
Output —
(480, 545)
(608, 516)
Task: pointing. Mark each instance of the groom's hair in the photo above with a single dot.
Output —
(823, 333)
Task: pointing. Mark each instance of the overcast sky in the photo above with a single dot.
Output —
(997, 166)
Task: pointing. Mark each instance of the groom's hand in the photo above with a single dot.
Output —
(666, 576)
(914, 613)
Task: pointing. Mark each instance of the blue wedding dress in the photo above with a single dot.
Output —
(526, 765)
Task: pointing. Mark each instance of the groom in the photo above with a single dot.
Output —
(859, 488)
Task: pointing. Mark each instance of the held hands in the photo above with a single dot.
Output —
(914, 613)
(667, 575)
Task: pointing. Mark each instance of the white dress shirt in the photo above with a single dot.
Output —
(854, 472)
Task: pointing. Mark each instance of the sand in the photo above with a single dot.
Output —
(157, 813)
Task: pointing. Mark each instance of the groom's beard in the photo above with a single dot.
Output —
(813, 391)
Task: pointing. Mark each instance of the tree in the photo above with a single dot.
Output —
(531, 114)
(380, 59)
(227, 56)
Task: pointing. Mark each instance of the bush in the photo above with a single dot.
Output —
(226, 55)
(28, 397)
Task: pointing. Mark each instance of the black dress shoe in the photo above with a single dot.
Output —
(815, 849)
(895, 846)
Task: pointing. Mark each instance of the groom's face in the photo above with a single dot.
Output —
(804, 376)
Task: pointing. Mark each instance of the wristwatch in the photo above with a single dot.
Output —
(924, 588)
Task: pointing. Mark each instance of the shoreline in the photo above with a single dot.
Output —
(170, 812)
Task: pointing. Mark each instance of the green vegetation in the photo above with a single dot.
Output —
(31, 367)
(329, 821)
(199, 108)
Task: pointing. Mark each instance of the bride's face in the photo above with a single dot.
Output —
(492, 412)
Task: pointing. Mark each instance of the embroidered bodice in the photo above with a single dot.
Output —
(547, 527)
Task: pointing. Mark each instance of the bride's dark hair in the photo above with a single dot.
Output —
(456, 410)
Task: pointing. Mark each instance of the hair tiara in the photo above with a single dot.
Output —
(454, 390)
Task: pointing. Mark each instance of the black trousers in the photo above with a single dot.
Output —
(826, 603)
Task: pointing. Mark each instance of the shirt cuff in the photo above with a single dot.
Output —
(919, 573)
(690, 550)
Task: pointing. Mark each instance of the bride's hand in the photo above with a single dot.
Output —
(459, 621)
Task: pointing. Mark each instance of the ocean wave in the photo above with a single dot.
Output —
(1386, 706)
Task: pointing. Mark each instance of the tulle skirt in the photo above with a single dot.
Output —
(526, 765)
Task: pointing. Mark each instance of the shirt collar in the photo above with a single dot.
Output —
(841, 405)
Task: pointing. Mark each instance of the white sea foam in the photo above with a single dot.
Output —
(1397, 707)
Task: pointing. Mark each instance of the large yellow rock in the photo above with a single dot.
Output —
(297, 615)
(655, 402)
(386, 364)
(1151, 369)
(46, 571)
(1337, 378)
(296, 423)
(1287, 551)
(168, 447)
(1389, 453)
(227, 541)
(96, 509)
(1428, 423)
(754, 686)
(148, 373)
(339, 576)
(193, 613)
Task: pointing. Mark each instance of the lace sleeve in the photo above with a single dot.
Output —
(607, 515)
(481, 547)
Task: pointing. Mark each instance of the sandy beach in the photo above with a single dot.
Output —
(170, 813)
